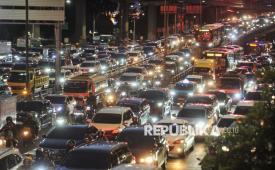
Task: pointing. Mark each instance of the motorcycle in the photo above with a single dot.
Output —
(27, 136)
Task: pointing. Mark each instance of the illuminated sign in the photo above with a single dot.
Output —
(171, 9)
(218, 55)
(253, 45)
(193, 9)
(210, 54)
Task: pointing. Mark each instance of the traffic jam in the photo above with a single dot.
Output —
(119, 107)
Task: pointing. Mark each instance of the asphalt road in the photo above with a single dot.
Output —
(189, 162)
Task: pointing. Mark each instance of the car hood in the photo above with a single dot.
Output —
(106, 127)
(55, 143)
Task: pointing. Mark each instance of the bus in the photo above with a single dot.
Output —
(210, 35)
(84, 85)
(237, 50)
(223, 57)
(258, 47)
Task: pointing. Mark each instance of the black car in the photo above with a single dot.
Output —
(160, 102)
(99, 155)
(147, 149)
(42, 108)
(56, 140)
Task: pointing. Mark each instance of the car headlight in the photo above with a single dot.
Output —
(221, 103)
(172, 93)
(60, 121)
(187, 55)
(190, 94)
(147, 160)
(200, 124)
(157, 83)
(150, 73)
(91, 70)
(59, 109)
(200, 89)
(186, 63)
(47, 70)
(154, 119)
(2, 142)
(26, 133)
(62, 80)
(159, 104)
(180, 59)
(237, 96)
(197, 44)
(172, 71)
(210, 44)
(181, 68)
(210, 83)
(123, 93)
(104, 67)
(108, 90)
(134, 84)
(150, 53)
(118, 83)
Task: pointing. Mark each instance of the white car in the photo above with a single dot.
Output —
(112, 120)
(90, 67)
(179, 144)
(132, 79)
(199, 80)
(10, 158)
(135, 57)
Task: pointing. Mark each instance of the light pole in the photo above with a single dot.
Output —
(27, 43)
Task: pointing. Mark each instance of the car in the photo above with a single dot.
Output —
(179, 145)
(208, 100)
(139, 106)
(135, 57)
(112, 120)
(225, 124)
(61, 102)
(149, 51)
(120, 58)
(147, 149)
(224, 100)
(42, 109)
(160, 102)
(243, 108)
(254, 95)
(10, 159)
(181, 90)
(140, 70)
(199, 80)
(98, 155)
(134, 80)
(199, 116)
(55, 142)
(90, 67)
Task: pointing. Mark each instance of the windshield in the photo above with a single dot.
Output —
(192, 113)
(220, 96)
(75, 133)
(134, 107)
(170, 58)
(107, 118)
(29, 106)
(136, 140)
(87, 65)
(253, 96)
(200, 99)
(197, 80)
(76, 86)
(152, 95)
(56, 99)
(184, 86)
(230, 83)
(225, 122)
(128, 78)
(18, 77)
(201, 70)
(242, 110)
(134, 70)
(170, 66)
(88, 160)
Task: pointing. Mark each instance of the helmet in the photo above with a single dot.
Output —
(9, 119)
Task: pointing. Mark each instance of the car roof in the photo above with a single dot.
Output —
(113, 110)
(132, 100)
(103, 146)
(194, 76)
(131, 74)
(195, 106)
(172, 120)
(7, 151)
(246, 103)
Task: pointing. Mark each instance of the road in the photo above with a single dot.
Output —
(189, 162)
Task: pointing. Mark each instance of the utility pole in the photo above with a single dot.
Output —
(134, 29)
(57, 59)
(165, 29)
(27, 43)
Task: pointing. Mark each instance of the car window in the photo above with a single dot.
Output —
(127, 115)
(12, 161)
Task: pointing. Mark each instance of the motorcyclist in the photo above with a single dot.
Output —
(135, 121)
(30, 122)
(101, 136)
(9, 132)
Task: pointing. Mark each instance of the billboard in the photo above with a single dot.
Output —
(40, 11)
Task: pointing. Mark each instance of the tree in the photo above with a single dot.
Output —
(252, 145)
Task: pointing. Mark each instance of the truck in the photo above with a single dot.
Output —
(7, 108)
(17, 81)
(207, 68)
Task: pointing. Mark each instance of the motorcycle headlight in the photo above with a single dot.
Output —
(172, 71)
(59, 109)
(147, 160)
(118, 83)
(26, 133)
(200, 124)
(123, 93)
(60, 121)
(172, 93)
(91, 70)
